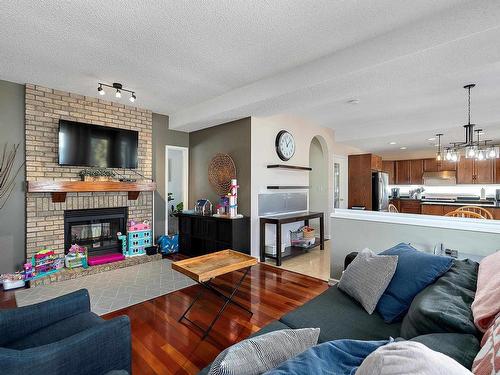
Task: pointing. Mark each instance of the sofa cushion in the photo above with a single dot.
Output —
(332, 357)
(415, 271)
(461, 347)
(367, 277)
(444, 306)
(407, 357)
(340, 317)
(57, 331)
(271, 327)
(257, 355)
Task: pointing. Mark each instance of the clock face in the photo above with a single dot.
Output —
(285, 145)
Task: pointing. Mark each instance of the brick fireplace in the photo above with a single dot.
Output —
(45, 224)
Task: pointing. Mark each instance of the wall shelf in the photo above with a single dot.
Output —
(59, 189)
(286, 187)
(292, 167)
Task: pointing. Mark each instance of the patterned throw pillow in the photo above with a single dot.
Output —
(367, 277)
(259, 354)
(487, 361)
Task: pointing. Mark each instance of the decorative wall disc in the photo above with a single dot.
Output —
(220, 172)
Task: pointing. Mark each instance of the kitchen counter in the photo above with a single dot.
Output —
(440, 203)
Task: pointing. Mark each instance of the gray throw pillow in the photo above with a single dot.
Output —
(259, 354)
(367, 277)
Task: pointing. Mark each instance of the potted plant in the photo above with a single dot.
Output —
(97, 174)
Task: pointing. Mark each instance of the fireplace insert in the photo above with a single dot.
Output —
(95, 229)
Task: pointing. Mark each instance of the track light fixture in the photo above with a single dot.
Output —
(119, 88)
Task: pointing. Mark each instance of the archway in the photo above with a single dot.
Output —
(318, 178)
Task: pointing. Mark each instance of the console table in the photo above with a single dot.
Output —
(289, 251)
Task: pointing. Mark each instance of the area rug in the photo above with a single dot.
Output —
(116, 289)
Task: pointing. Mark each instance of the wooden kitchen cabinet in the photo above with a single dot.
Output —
(497, 171)
(470, 171)
(410, 206)
(432, 165)
(416, 172)
(389, 168)
(484, 171)
(376, 163)
(360, 181)
(402, 168)
(432, 209)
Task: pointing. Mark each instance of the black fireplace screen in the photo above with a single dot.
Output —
(95, 229)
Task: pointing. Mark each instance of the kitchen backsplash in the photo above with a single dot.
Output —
(450, 190)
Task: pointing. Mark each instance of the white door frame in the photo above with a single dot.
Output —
(344, 183)
(185, 179)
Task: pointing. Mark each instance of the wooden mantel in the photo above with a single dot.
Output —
(59, 189)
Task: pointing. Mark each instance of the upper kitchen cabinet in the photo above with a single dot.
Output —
(389, 168)
(376, 163)
(416, 172)
(497, 172)
(432, 165)
(402, 168)
(470, 171)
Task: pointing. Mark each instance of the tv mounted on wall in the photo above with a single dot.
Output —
(96, 146)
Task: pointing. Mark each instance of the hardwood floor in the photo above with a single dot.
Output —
(162, 345)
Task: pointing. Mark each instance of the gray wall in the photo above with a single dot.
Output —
(232, 138)
(12, 216)
(163, 136)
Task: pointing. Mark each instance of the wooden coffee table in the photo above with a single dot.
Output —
(205, 268)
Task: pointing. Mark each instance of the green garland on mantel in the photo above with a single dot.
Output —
(96, 172)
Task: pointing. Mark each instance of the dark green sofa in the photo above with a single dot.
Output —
(341, 317)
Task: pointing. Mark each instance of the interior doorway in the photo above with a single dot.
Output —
(176, 185)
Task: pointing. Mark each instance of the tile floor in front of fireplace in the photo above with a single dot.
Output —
(116, 289)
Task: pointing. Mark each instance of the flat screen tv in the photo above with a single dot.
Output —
(96, 146)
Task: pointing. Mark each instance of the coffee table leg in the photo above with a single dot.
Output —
(198, 296)
(228, 299)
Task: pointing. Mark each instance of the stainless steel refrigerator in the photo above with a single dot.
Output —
(380, 191)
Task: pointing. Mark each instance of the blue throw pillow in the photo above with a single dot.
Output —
(339, 357)
(415, 271)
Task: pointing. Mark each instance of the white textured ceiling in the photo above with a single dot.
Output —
(207, 62)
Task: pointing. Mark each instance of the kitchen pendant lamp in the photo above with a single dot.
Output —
(472, 148)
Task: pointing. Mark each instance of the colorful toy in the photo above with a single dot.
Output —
(139, 226)
(137, 239)
(233, 198)
(12, 280)
(43, 263)
(76, 257)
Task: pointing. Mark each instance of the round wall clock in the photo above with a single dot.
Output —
(285, 145)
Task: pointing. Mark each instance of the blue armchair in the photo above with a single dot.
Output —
(62, 336)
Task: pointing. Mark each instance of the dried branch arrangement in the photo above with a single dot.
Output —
(7, 174)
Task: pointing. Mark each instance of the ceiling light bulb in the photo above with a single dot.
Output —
(392, 143)
(132, 97)
(471, 152)
(454, 156)
(480, 155)
(439, 157)
(491, 154)
(403, 148)
(431, 139)
(101, 90)
(118, 94)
